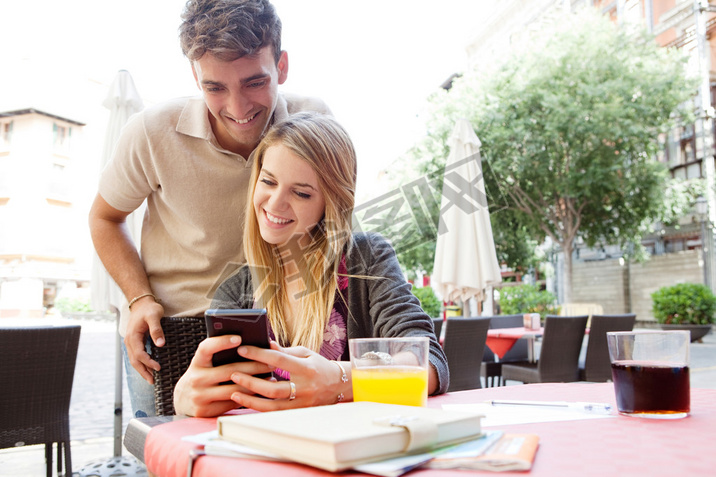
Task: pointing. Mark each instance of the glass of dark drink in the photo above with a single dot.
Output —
(650, 370)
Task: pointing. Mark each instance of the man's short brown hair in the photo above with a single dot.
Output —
(229, 29)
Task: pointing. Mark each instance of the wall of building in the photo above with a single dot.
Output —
(45, 190)
(659, 271)
(620, 287)
(601, 282)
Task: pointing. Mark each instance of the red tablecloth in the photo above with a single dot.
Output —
(501, 340)
(623, 446)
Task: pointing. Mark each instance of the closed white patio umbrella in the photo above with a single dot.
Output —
(465, 258)
(123, 101)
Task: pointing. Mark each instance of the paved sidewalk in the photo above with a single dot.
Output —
(92, 406)
(702, 372)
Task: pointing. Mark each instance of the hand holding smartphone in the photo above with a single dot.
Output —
(251, 325)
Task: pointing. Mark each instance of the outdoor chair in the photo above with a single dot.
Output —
(38, 367)
(437, 327)
(559, 355)
(597, 366)
(183, 335)
(464, 346)
(491, 369)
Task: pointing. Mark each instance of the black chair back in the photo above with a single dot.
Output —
(561, 345)
(464, 347)
(437, 327)
(597, 366)
(38, 367)
(183, 335)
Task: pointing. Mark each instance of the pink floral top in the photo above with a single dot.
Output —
(335, 336)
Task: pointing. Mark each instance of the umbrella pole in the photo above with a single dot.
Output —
(126, 465)
(118, 389)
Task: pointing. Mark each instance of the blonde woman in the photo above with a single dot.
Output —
(321, 284)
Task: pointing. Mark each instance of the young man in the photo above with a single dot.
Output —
(191, 160)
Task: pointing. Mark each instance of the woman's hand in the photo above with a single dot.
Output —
(199, 391)
(317, 380)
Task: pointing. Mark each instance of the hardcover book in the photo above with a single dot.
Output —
(340, 436)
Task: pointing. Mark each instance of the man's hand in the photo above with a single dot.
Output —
(120, 258)
(145, 316)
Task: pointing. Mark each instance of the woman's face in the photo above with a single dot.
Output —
(287, 200)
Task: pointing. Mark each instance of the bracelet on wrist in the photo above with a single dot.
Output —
(344, 379)
(134, 300)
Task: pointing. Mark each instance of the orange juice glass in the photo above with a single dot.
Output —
(390, 370)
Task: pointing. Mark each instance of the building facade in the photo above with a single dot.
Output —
(42, 210)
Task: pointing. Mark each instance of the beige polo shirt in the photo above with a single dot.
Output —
(196, 195)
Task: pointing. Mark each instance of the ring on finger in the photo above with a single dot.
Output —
(292, 395)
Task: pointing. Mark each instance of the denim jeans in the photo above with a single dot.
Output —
(141, 393)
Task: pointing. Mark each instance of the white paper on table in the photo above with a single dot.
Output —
(505, 415)
(214, 445)
(202, 438)
(398, 466)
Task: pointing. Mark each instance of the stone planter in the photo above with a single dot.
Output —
(697, 331)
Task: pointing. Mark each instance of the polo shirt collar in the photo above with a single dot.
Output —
(194, 120)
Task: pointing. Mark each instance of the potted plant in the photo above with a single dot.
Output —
(79, 307)
(685, 306)
(428, 300)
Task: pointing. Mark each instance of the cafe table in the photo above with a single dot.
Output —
(501, 340)
(616, 445)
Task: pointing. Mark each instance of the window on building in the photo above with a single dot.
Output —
(58, 178)
(5, 176)
(632, 11)
(61, 138)
(672, 148)
(687, 145)
(57, 184)
(649, 246)
(680, 153)
(679, 244)
(58, 172)
(5, 135)
(673, 245)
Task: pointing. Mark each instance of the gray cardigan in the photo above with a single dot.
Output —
(382, 306)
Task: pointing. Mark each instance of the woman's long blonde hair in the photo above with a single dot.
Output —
(322, 142)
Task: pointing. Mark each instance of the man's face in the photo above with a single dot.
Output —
(241, 96)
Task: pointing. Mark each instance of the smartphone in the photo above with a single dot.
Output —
(251, 325)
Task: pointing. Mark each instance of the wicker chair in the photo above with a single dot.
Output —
(597, 366)
(183, 335)
(559, 356)
(437, 327)
(491, 369)
(38, 366)
(464, 346)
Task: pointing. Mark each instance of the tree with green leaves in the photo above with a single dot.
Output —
(569, 128)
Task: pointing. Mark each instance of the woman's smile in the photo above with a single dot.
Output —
(275, 219)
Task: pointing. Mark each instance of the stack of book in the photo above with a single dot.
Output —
(380, 439)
